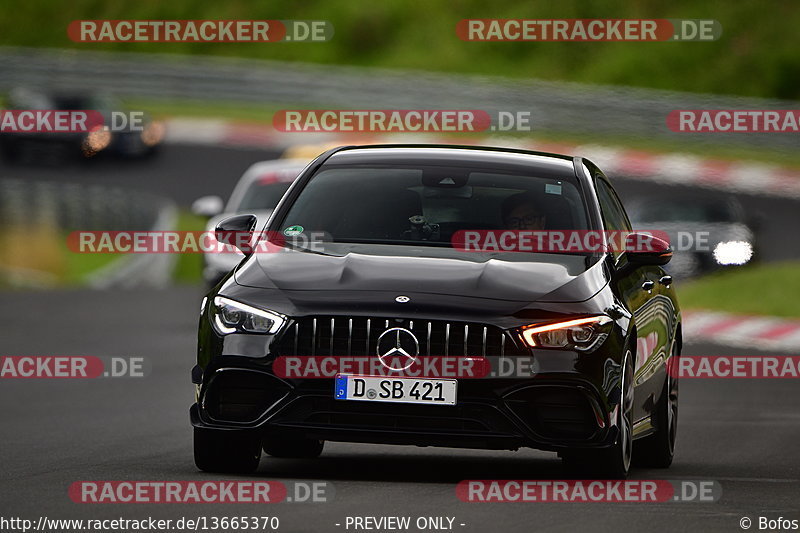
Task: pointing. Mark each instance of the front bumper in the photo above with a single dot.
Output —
(555, 411)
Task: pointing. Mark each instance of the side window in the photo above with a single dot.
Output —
(614, 216)
(613, 213)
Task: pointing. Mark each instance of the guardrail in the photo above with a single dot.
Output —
(567, 107)
(74, 206)
(66, 207)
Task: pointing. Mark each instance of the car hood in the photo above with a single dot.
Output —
(442, 272)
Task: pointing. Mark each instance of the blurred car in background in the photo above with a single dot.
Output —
(258, 191)
(706, 233)
(123, 140)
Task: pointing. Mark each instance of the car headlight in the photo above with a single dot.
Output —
(153, 133)
(582, 334)
(97, 140)
(230, 316)
(733, 252)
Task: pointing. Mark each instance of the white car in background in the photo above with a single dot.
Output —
(257, 192)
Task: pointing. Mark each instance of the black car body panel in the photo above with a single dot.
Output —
(567, 400)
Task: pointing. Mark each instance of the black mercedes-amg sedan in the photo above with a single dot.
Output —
(379, 258)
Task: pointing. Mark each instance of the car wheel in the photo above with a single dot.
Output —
(613, 462)
(227, 452)
(293, 448)
(658, 449)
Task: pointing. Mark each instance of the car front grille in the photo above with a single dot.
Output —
(358, 336)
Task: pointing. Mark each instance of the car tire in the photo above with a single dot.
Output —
(293, 448)
(613, 462)
(657, 450)
(226, 452)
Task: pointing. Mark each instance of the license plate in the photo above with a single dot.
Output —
(398, 390)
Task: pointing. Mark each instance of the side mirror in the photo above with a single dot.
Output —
(208, 206)
(645, 249)
(237, 231)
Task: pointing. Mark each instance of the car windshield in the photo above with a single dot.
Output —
(262, 195)
(427, 205)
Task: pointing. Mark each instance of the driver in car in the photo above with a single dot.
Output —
(521, 212)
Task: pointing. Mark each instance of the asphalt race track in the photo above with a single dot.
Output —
(182, 173)
(742, 434)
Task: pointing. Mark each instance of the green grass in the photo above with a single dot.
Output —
(79, 267)
(60, 266)
(767, 289)
(188, 267)
(755, 56)
(234, 111)
(51, 262)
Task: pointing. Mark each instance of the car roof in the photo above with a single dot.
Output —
(449, 154)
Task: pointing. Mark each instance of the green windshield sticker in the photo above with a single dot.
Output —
(291, 231)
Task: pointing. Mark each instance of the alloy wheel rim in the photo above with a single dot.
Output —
(672, 409)
(626, 406)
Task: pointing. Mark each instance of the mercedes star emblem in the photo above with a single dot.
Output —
(398, 348)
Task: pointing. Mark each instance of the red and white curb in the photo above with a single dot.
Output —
(744, 177)
(763, 332)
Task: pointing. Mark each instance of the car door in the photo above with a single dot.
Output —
(641, 291)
